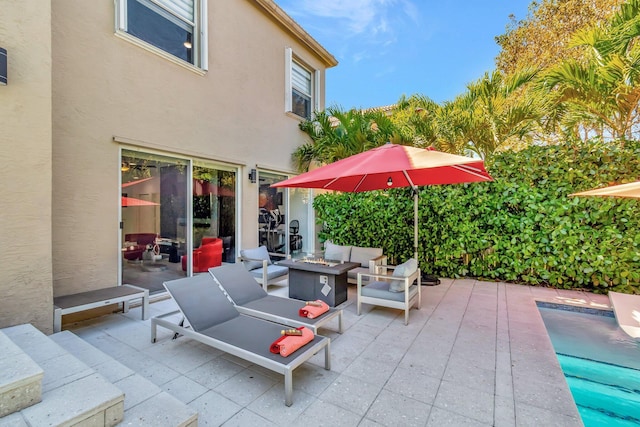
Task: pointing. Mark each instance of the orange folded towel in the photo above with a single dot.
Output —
(287, 344)
(314, 309)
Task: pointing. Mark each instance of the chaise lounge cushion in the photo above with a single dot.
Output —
(405, 269)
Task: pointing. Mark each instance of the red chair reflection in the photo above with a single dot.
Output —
(208, 255)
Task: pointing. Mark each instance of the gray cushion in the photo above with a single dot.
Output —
(238, 283)
(405, 269)
(336, 252)
(381, 290)
(363, 255)
(259, 253)
(273, 272)
(353, 273)
(201, 301)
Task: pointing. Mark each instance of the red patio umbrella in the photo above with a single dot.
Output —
(392, 166)
(132, 201)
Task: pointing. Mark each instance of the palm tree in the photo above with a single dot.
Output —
(602, 92)
(336, 134)
(416, 119)
(498, 111)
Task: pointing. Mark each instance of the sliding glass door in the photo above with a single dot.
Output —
(214, 207)
(284, 218)
(272, 231)
(168, 206)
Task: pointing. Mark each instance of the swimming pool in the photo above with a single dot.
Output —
(600, 362)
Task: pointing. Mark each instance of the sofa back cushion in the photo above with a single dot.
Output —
(363, 255)
(335, 252)
(405, 269)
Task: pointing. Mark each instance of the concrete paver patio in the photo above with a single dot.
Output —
(475, 354)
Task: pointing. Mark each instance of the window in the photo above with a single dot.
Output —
(300, 91)
(175, 27)
(301, 95)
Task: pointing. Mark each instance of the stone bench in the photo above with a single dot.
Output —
(82, 301)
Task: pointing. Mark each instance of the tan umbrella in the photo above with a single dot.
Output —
(626, 307)
(630, 190)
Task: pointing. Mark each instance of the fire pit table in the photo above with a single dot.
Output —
(312, 279)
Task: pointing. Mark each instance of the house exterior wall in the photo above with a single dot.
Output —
(97, 93)
(25, 172)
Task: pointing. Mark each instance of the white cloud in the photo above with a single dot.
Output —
(355, 17)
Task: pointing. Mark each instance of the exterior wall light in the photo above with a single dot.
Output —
(253, 176)
(3, 66)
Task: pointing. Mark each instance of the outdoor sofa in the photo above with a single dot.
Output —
(368, 258)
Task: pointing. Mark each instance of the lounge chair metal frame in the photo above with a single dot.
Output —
(281, 365)
(265, 306)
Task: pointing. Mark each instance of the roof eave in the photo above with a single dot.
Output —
(281, 17)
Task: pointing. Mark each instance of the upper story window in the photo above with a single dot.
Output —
(176, 27)
(302, 88)
(300, 91)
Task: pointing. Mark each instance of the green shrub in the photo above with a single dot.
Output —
(523, 227)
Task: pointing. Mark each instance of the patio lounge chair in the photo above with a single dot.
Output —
(249, 298)
(215, 322)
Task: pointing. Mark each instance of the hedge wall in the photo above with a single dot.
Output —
(522, 227)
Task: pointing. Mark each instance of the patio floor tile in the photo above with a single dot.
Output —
(475, 354)
(393, 409)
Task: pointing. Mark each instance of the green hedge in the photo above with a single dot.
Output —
(522, 227)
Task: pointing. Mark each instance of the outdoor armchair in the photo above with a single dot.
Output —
(396, 290)
(259, 264)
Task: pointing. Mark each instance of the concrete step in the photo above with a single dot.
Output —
(20, 378)
(145, 403)
(72, 393)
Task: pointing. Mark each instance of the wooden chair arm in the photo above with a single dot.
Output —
(377, 261)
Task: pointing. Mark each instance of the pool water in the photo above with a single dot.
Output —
(600, 362)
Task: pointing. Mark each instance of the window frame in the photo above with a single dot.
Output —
(199, 42)
(314, 105)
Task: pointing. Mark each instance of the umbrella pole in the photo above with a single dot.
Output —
(415, 223)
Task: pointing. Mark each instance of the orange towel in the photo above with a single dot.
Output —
(313, 311)
(287, 344)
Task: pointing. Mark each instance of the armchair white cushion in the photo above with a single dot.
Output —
(395, 291)
(258, 262)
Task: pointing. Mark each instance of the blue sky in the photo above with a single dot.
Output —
(387, 48)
